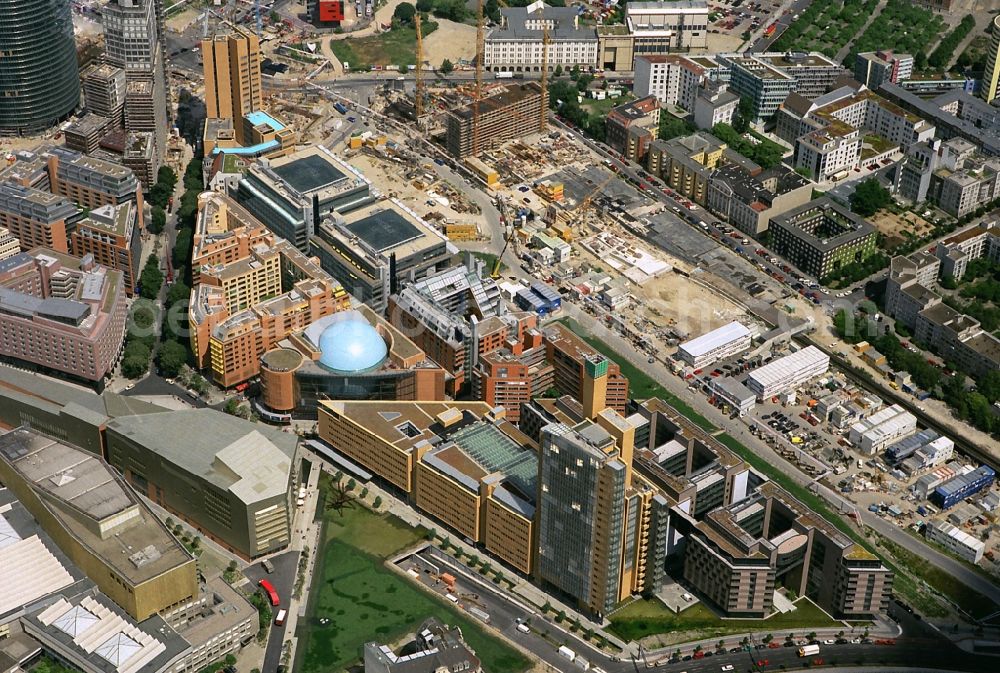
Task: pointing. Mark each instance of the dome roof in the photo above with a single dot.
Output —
(351, 344)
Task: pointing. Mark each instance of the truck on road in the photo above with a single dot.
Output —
(808, 650)
(567, 653)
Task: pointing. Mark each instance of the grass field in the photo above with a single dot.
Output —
(641, 385)
(365, 601)
(395, 47)
(602, 107)
(649, 617)
(971, 601)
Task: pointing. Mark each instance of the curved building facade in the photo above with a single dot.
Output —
(350, 355)
(39, 74)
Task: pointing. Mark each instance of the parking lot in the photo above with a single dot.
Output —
(805, 427)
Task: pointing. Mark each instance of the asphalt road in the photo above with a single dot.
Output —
(727, 236)
(917, 646)
(763, 43)
(736, 427)
(283, 578)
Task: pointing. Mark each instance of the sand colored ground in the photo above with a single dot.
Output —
(672, 300)
(452, 41)
(894, 227)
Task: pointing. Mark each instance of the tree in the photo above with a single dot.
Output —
(869, 197)
(672, 127)
(404, 13)
(743, 116)
(275, 17)
(232, 406)
(151, 278)
(182, 248)
(574, 74)
(446, 67)
(134, 366)
(167, 177)
(351, 484)
(159, 194)
(158, 221)
(558, 71)
(377, 502)
(171, 358)
(178, 292)
(424, 6)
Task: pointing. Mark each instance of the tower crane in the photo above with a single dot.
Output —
(480, 56)
(418, 103)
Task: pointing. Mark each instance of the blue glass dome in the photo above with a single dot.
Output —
(351, 345)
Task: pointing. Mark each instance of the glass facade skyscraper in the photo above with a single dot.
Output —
(39, 74)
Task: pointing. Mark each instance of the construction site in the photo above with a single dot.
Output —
(488, 171)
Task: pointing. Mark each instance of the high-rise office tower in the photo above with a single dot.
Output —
(601, 533)
(39, 74)
(991, 76)
(133, 42)
(582, 503)
(232, 76)
(104, 91)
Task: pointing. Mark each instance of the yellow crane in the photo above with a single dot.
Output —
(480, 53)
(480, 56)
(418, 103)
(579, 208)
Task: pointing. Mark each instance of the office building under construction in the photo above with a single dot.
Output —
(514, 111)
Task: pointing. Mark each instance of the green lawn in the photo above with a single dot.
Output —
(602, 107)
(641, 385)
(394, 47)
(366, 601)
(970, 600)
(649, 617)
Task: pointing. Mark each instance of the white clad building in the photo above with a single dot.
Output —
(735, 394)
(516, 45)
(936, 452)
(661, 26)
(718, 344)
(672, 78)
(9, 244)
(875, 433)
(788, 373)
(956, 541)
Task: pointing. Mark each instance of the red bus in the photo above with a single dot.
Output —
(269, 590)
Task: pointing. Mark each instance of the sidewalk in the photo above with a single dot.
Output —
(523, 588)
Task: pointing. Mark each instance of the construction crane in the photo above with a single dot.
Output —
(497, 263)
(543, 113)
(504, 221)
(480, 54)
(260, 22)
(418, 103)
(579, 208)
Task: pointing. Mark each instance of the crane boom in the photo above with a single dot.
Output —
(418, 103)
(480, 54)
(545, 76)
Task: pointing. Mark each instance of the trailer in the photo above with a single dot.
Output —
(339, 107)
(808, 650)
(481, 614)
(567, 653)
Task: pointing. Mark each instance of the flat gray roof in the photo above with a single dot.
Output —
(247, 458)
